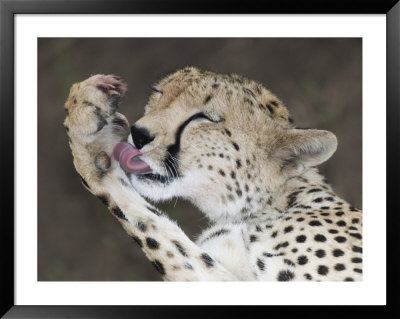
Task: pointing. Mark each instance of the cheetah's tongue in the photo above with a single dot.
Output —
(128, 157)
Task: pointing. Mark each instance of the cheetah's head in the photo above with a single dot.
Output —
(221, 141)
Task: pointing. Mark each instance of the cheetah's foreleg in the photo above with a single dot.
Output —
(94, 127)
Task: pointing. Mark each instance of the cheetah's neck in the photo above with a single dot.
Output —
(308, 191)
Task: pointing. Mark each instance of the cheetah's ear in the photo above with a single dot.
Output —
(299, 149)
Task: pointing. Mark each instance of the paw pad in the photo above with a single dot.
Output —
(102, 161)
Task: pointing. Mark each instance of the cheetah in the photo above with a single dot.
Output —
(229, 146)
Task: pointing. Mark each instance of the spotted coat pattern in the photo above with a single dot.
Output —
(228, 145)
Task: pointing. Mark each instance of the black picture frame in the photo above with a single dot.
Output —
(8, 10)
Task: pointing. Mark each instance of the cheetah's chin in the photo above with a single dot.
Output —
(128, 157)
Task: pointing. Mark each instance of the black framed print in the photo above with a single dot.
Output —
(237, 148)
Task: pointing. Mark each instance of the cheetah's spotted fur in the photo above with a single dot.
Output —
(228, 145)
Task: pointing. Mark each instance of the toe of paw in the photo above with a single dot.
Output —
(111, 85)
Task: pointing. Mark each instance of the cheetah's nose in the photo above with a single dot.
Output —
(128, 157)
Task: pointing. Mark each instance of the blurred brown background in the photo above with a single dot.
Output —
(318, 79)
